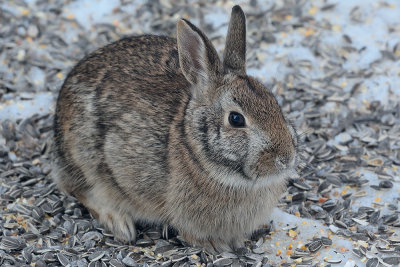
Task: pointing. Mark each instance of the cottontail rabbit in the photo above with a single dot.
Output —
(158, 130)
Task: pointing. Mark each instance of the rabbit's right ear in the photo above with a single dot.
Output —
(198, 58)
(235, 47)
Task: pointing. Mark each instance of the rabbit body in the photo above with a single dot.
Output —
(144, 133)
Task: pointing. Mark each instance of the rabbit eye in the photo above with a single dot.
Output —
(236, 119)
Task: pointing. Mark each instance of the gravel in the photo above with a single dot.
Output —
(334, 68)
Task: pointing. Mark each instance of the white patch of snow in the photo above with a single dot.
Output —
(42, 103)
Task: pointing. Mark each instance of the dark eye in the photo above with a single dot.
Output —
(236, 119)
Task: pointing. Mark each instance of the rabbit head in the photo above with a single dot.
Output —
(237, 128)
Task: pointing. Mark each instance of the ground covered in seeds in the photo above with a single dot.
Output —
(335, 69)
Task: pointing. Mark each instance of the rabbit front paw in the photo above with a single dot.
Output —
(119, 222)
(211, 245)
(122, 226)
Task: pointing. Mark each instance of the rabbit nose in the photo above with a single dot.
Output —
(284, 162)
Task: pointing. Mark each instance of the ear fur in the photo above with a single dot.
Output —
(235, 47)
(198, 58)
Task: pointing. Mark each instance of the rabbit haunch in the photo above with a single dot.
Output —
(143, 135)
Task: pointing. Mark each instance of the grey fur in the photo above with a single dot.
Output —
(235, 48)
(142, 134)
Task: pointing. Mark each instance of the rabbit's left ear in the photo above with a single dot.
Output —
(235, 47)
(198, 58)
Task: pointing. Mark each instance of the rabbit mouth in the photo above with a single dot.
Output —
(243, 179)
(268, 165)
(281, 175)
(270, 170)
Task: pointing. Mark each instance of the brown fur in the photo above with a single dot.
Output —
(142, 134)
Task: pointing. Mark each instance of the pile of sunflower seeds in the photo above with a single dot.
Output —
(350, 145)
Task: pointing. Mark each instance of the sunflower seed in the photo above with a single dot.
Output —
(394, 239)
(27, 254)
(332, 260)
(326, 241)
(333, 228)
(12, 243)
(37, 213)
(375, 217)
(92, 235)
(361, 222)
(373, 262)
(301, 185)
(341, 224)
(315, 246)
(385, 184)
(49, 257)
(178, 258)
(116, 263)
(128, 261)
(329, 204)
(392, 260)
(63, 259)
(223, 262)
(96, 256)
(357, 252)
(144, 242)
(387, 219)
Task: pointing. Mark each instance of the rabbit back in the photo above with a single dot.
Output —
(113, 118)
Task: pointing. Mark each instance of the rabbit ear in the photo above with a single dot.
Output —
(235, 47)
(198, 59)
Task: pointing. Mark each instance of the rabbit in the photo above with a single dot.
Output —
(152, 129)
